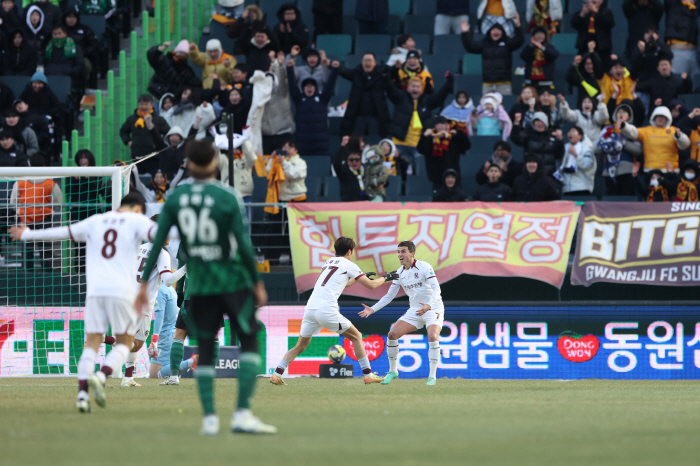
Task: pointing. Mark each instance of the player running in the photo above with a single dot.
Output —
(423, 290)
(322, 309)
(113, 240)
(223, 278)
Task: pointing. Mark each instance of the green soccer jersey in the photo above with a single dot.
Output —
(213, 238)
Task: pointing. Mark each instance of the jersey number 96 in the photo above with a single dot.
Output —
(201, 230)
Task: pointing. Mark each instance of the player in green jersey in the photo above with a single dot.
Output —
(222, 279)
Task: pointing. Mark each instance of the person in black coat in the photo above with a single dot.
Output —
(450, 190)
(538, 139)
(533, 185)
(291, 30)
(39, 96)
(257, 50)
(34, 34)
(350, 172)
(7, 97)
(641, 16)
(141, 131)
(495, 190)
(238, 105)
(63, 56)
(664, 86)
(510, 168)
(646, 55)
(496, 50)
(682, 28)
(367, 111)
(311, 111)
(442, 149)
(84, 37)
(171, 69)
(10, 19)
(36, 121)
(10, 156)
(172, 158)
(596, 14)
(18, 59)
(328, 17)
(372, 16)
(539, 56)
(584, 73)
(52, 15)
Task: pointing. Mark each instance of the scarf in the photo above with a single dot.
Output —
(65, 43)
(140, 123)
(160, 192)
(537, 63)
(686, 192)
(274, 180)
(441, 145)
(658, 190)
(176, 58)
(183, 107)
(222, 56)
(359, 174)
(689, 5)
(541, 17)
(591, 24)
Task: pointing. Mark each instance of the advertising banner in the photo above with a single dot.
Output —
(501, 240)
(638, 242)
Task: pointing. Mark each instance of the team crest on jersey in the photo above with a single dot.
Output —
(416, 275)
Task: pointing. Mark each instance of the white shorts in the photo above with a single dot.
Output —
(315, 320)
(429, 318)
(101, 312)
(143, 327)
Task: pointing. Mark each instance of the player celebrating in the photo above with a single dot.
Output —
(322, 309)
(420, 284)
(113, 240)
(223, 278)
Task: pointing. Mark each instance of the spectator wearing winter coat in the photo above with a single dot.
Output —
(24, 136)
(293, 188)
(244, 159)
(10, 155)
(37, 122)
(495, 190)
(490, 118)
(539, 56)
(213, 61)
(496, 50)
(641, 16)
(547, 14)
(171, 69)
(450, 190)
(328, 17)
(18, 59)
(510, 168)
(63, 57)
(491, 12)
(372, 16)
(646, 54)
(7, 97)
(238, 106)
(533, 185)
(351, 174)
(690, 125)
(459, 112)
(664, 87)
(278, 121)
(258, 50)
(404, 44)
(10, 17)
(157, 190)
(376, 175)
(413, 68)
(311, 111)
(619, 153)
(316, 67)
(52, 14)
(243, 28)
(588, 117)
(202, 125)
(37, 94)
(450, 14)
(291, 30)
(577, 170)
(34, 32)
(659, 186)
(681, 34)
(172, 158)
(585, 73)
(367, 111)
(540, 140)
(140, 132)
(594, 23)
(84, 37)
(548, 105)
(442, 148)
(182, 113)
(527, 105)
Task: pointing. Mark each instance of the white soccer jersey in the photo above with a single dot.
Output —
(154, 281)
(420, 285)
(334, 277)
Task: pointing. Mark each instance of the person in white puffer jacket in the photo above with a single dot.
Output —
(577, 170)
(589, 118)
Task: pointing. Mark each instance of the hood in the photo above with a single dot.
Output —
(182, 46)
(174, 130)
(661, 111)
(288, 6)
(215, 44)
(692, 165)
(542, 29)
(39, 76)
(627, 105)
(32, 9)
(75, 11)
(654, 172)
(374, 152)
(542, 117)
(160, 102)
(495, 26)
(493, 98)
(391, 143)
(537, 158)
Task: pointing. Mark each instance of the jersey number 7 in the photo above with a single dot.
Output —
(331, 271)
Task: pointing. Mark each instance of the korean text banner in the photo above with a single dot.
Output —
(631, 242)
(500, 240)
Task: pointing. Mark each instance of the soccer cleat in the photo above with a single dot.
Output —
(373, 378)
(195, 362)
(431, 381)
(210, 425)
(83, 403)
(389, 377)
(276, 379)
(171, 380)
(245, 423)
(98, 389)
(130, 382)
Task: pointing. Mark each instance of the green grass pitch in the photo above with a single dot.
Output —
(344, 422)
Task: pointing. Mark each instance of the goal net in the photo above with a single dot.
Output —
(42, 284)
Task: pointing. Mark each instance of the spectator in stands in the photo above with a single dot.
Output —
(682, 34)
(328, 17)
(166, 102)
(316, 67)
(496, 51)
(367, 111)
(660, 141)
(492, 12)
(690, 125)
(647, 52)
(243, 164)
(52, 14)
(442, 147)
(391, 155)
(404, 44)
(372, 16)
(312, 111)
(204, 118)
(34, 33)
(291, 30)
(10, 155)
(238, 106)
(594, 23)
(412, 113)
(171, 69)
(287, 174)
(244, 28)
(495, 190)
(533, 185)
(277, 119)
(642, 15)
(214, 61)
(619, 153)
(376, 174)
(459, 112)
(450, 190)
(7, 97)
(350, 172)
(24, 136)
(664, 87)
(490, 118)
(182, 113)
(413, 68)
(38, 95)
(690, 177)
(157, 190)
(618, 83)
(678, 111)
(544, 13)
(510, 168)
(240, 80)
(527, 104)
(660, 186)
(172, 158)
(43, 127)
(10, 17)
(18, 59)
(585, 73)
(587, 117)
(548, 104)
(84, 37)
(449, 17)
(539, 56)
(63, 57)
(259, 49)
(577, 171)
(140, 132)
(541, 140)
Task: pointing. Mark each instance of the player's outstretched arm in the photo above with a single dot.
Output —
(170, 278)
(370, 284)
(386, 299)
(368, 311)
(24, 233)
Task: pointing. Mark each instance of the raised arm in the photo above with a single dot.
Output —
(171, 278)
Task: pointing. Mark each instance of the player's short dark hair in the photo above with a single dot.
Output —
(408, 244)
(343, 245)
(200, 153)
(155, 218)
(134, 199)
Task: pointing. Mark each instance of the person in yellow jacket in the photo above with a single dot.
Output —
(660, 141)
(413, 68)
(618, 84)
(214, 61)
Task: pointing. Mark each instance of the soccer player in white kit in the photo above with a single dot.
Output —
(113, 240)
(425, 308)
(322, 310)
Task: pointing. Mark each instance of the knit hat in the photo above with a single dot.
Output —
(413, 54)
(39, 76)
(183, 46)
(213, 44)
(542, 117)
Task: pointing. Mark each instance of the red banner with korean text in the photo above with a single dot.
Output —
(491, 239)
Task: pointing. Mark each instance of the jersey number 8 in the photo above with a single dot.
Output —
(202, 229)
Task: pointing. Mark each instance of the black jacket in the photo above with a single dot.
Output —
(366, 97)
(61, 65)
(11, 20)
(681, 22)
(536, 187)
(7, 97)
(639, 19)
(450, 195)
(143, 139)
(576, 76)
(372, 10)
(52, 16)
(258, 58)
(299, 34)
(328, 7)
(13, 157)
(496, 57)
(550, 55)
(349, 184)
(549, 148)
(170, 74)
(43, 102)
(40, 125)
(493, 192)
(452, 7)
(604, 22)
(171, 160)
(436, 166)
(404, 107)
(514, 170)
(644, 64)
(239, 112)
(85, 38)
(666, 88)
(20, 61)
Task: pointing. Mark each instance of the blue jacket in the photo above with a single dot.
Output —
(453, 7)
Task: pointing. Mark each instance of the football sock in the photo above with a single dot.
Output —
(205, 382)
(130, 362)
(114, 360)
(392, 351)
(177, 351)
(110, 340)
(248, 369)
(86, 366)
(364, 364)
(281, 367)
(433, 356)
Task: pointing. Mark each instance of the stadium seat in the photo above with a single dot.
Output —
(416, 198)
(565, 43)
(418, 186)
(350, 25)
(270, 8)
(393, 191)
(399, 7)
(471, 84)
(377, 43)
(448, 44)
(471, 64)
(16, 83)
(438, 64)
(313, 188)
(691, 100)
(331, 189)
(218, 31)
(306, 13)
(471, 164)
(318, 166)
(417, 24)
(510, 100)
(61, 86)
(394, 26)
(339, 45)
(334, 123)
(259, 189)
(426, 9)
(423, 42)
(349, 7)
(483, 145)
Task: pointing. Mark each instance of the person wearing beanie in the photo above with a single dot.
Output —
(539, 139)
(450, 190)
(171, 69)
(495, 190)
(317, 67)
(442, 147)
(539, 56)
(213, 62)
(533, 185)
(39, 96)
(413, 68)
